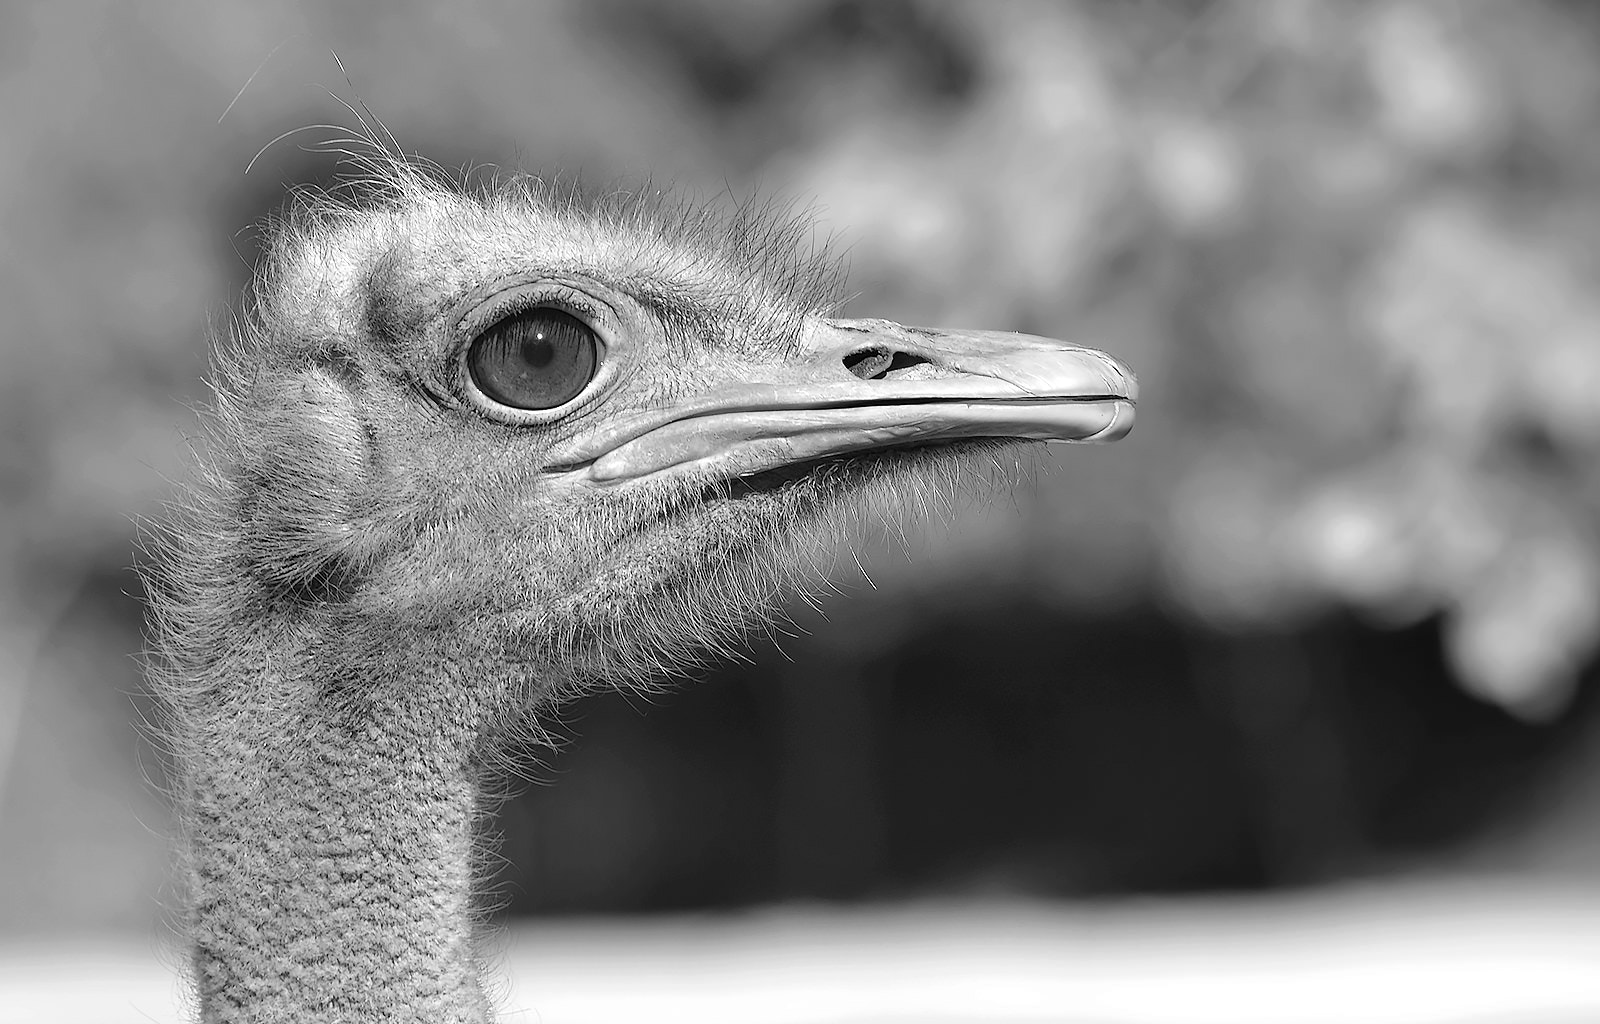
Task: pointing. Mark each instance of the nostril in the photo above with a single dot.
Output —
(877, 363)
(869, 363)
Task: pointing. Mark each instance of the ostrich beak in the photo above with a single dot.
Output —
(866, 385)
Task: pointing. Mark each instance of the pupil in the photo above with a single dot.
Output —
(537, 352)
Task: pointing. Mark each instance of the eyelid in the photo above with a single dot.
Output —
(519, 299)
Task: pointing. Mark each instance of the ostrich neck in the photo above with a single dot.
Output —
(331, 857)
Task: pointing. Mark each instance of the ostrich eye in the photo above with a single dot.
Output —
(537, 359)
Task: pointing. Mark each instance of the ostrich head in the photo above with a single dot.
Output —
(472, 450)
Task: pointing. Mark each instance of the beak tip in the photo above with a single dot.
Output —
(1117, 426)
(1124, 381)
(1122, 420)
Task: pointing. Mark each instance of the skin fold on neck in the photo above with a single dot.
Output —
(331, 864)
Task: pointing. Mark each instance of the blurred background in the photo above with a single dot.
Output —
(1329, 615)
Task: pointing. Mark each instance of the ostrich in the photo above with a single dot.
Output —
(474, 448)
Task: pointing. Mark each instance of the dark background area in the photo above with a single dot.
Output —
(1001, 749)
(1330, 612)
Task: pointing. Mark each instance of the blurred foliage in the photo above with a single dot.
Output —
(1348, 247)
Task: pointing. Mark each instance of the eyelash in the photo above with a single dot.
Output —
(579, 308)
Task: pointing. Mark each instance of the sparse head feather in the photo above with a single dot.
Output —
(755, 267)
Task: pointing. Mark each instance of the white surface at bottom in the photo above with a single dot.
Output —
(1464, 952)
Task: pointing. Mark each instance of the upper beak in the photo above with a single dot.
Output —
(908, 385)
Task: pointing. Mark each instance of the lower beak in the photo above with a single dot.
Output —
(867, 385)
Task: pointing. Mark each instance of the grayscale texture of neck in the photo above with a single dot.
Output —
(331, 853)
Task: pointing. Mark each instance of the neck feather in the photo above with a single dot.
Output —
(330, 855)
